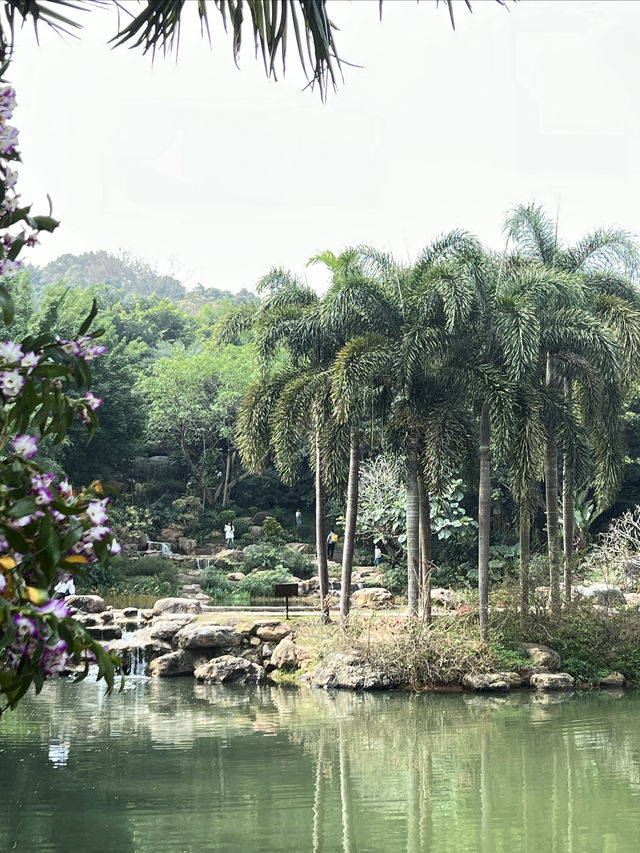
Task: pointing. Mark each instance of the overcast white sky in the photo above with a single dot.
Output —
(215, 174)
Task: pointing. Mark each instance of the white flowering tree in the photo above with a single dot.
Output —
(48, 532)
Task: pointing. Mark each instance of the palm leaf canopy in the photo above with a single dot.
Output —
(272, 26)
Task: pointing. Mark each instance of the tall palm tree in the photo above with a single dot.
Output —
(603, 260)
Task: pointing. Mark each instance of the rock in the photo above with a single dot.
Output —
(166, 629)
(226, 556)
(191, 589)
(267, 650)
(350, 672)
(104, 632)
(614, 679)
(182, 662)
(107, 616)
(176, 605)
(207, 637)
(445, 598)
(308, 587)
(490, 681)
(604, 594)
(525, 672)
(375, 598)
(187, 546)
(632, 599)
(130, 612)
(300, 547)
(259, 517)
(147, 614)
(236, 576)
(228, 669)
(552, 681)
(87, 603)
(273, 633)
(541, 655)
(285, 655)
(255, 642)
(255, 530)
(171, 533)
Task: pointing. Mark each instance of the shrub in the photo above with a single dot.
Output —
(273, 530)
(261, 584)
(395, 579)
(265, 555)
(226, 516)
(215, 582)
(242, 526)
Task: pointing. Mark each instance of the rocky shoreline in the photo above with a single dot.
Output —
(178, 638)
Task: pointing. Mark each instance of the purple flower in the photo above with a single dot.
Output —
(30, 360)
(97, 533)
(11, 382)
(70, 347)
(96, 511)
(115, 548)
(93, 351)
(27, 627)
(54, 658)
(25, 445)
(93, 401)
(65, 489)
(55, 606)
(10, 351)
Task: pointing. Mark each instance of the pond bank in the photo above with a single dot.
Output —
(378, 651)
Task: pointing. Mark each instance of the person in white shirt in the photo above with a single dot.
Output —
(64, 587)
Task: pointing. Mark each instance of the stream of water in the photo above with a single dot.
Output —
(169, 766)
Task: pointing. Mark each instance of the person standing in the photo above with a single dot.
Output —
(377, 554)
(298, 518)
(332, 538)
(230, 534)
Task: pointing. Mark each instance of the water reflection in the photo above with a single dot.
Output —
(174, 766)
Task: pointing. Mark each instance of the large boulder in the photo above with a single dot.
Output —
(230, 670)
(182, 662)
(226, 556)
(614, 679)
(187, 546)
(525, 672)
(207, 637)
(166, 629)
(604, 594)
(87, 603)
(259, 517)
(308, 587)
(348, 671)
(171, 533)
(491, 681)
(255, 530)
(236, 577)
(373, 598)
(441, 597)
(273, 633)
(285, 655)
(300, 547)
(541, 655)
(552, 681)
(176, 605)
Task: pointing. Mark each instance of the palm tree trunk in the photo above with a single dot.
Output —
(484, 521)
(350, 525)
(321, 534)
(426, 566)
(525, 553)
(551, 497)
(568, 509)
(412, 528)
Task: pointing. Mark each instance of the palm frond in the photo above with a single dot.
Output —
(240, 320)
(534, 233)
(362, 365)
(608, 249)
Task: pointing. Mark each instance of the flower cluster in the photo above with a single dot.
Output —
(35, 636)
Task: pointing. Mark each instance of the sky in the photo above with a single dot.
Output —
(215, 174)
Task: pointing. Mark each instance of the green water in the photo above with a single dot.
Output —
(172, 766)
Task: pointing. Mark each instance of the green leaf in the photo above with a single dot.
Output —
(22, 507)
(6, 303)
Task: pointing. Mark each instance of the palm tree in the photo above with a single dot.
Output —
(603, 260)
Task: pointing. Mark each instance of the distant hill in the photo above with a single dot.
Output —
(129, 274)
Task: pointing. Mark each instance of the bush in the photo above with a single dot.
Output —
(242, 526)
(395, 579)
(273, 530)
(247, 539)
(266, 555)
(261, 584)
(226, 516)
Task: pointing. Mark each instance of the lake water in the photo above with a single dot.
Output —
(170, 766)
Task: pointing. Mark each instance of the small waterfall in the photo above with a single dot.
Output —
(202, 563)
(138, 662)
(164, 547)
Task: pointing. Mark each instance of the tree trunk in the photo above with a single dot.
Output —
(412, 528)
(568, 509)
(426, 565)
(484, 521)
(321, 534)
(194, 471)
(350, 525)
(551, 497)
(525, 551)
(227, 477)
